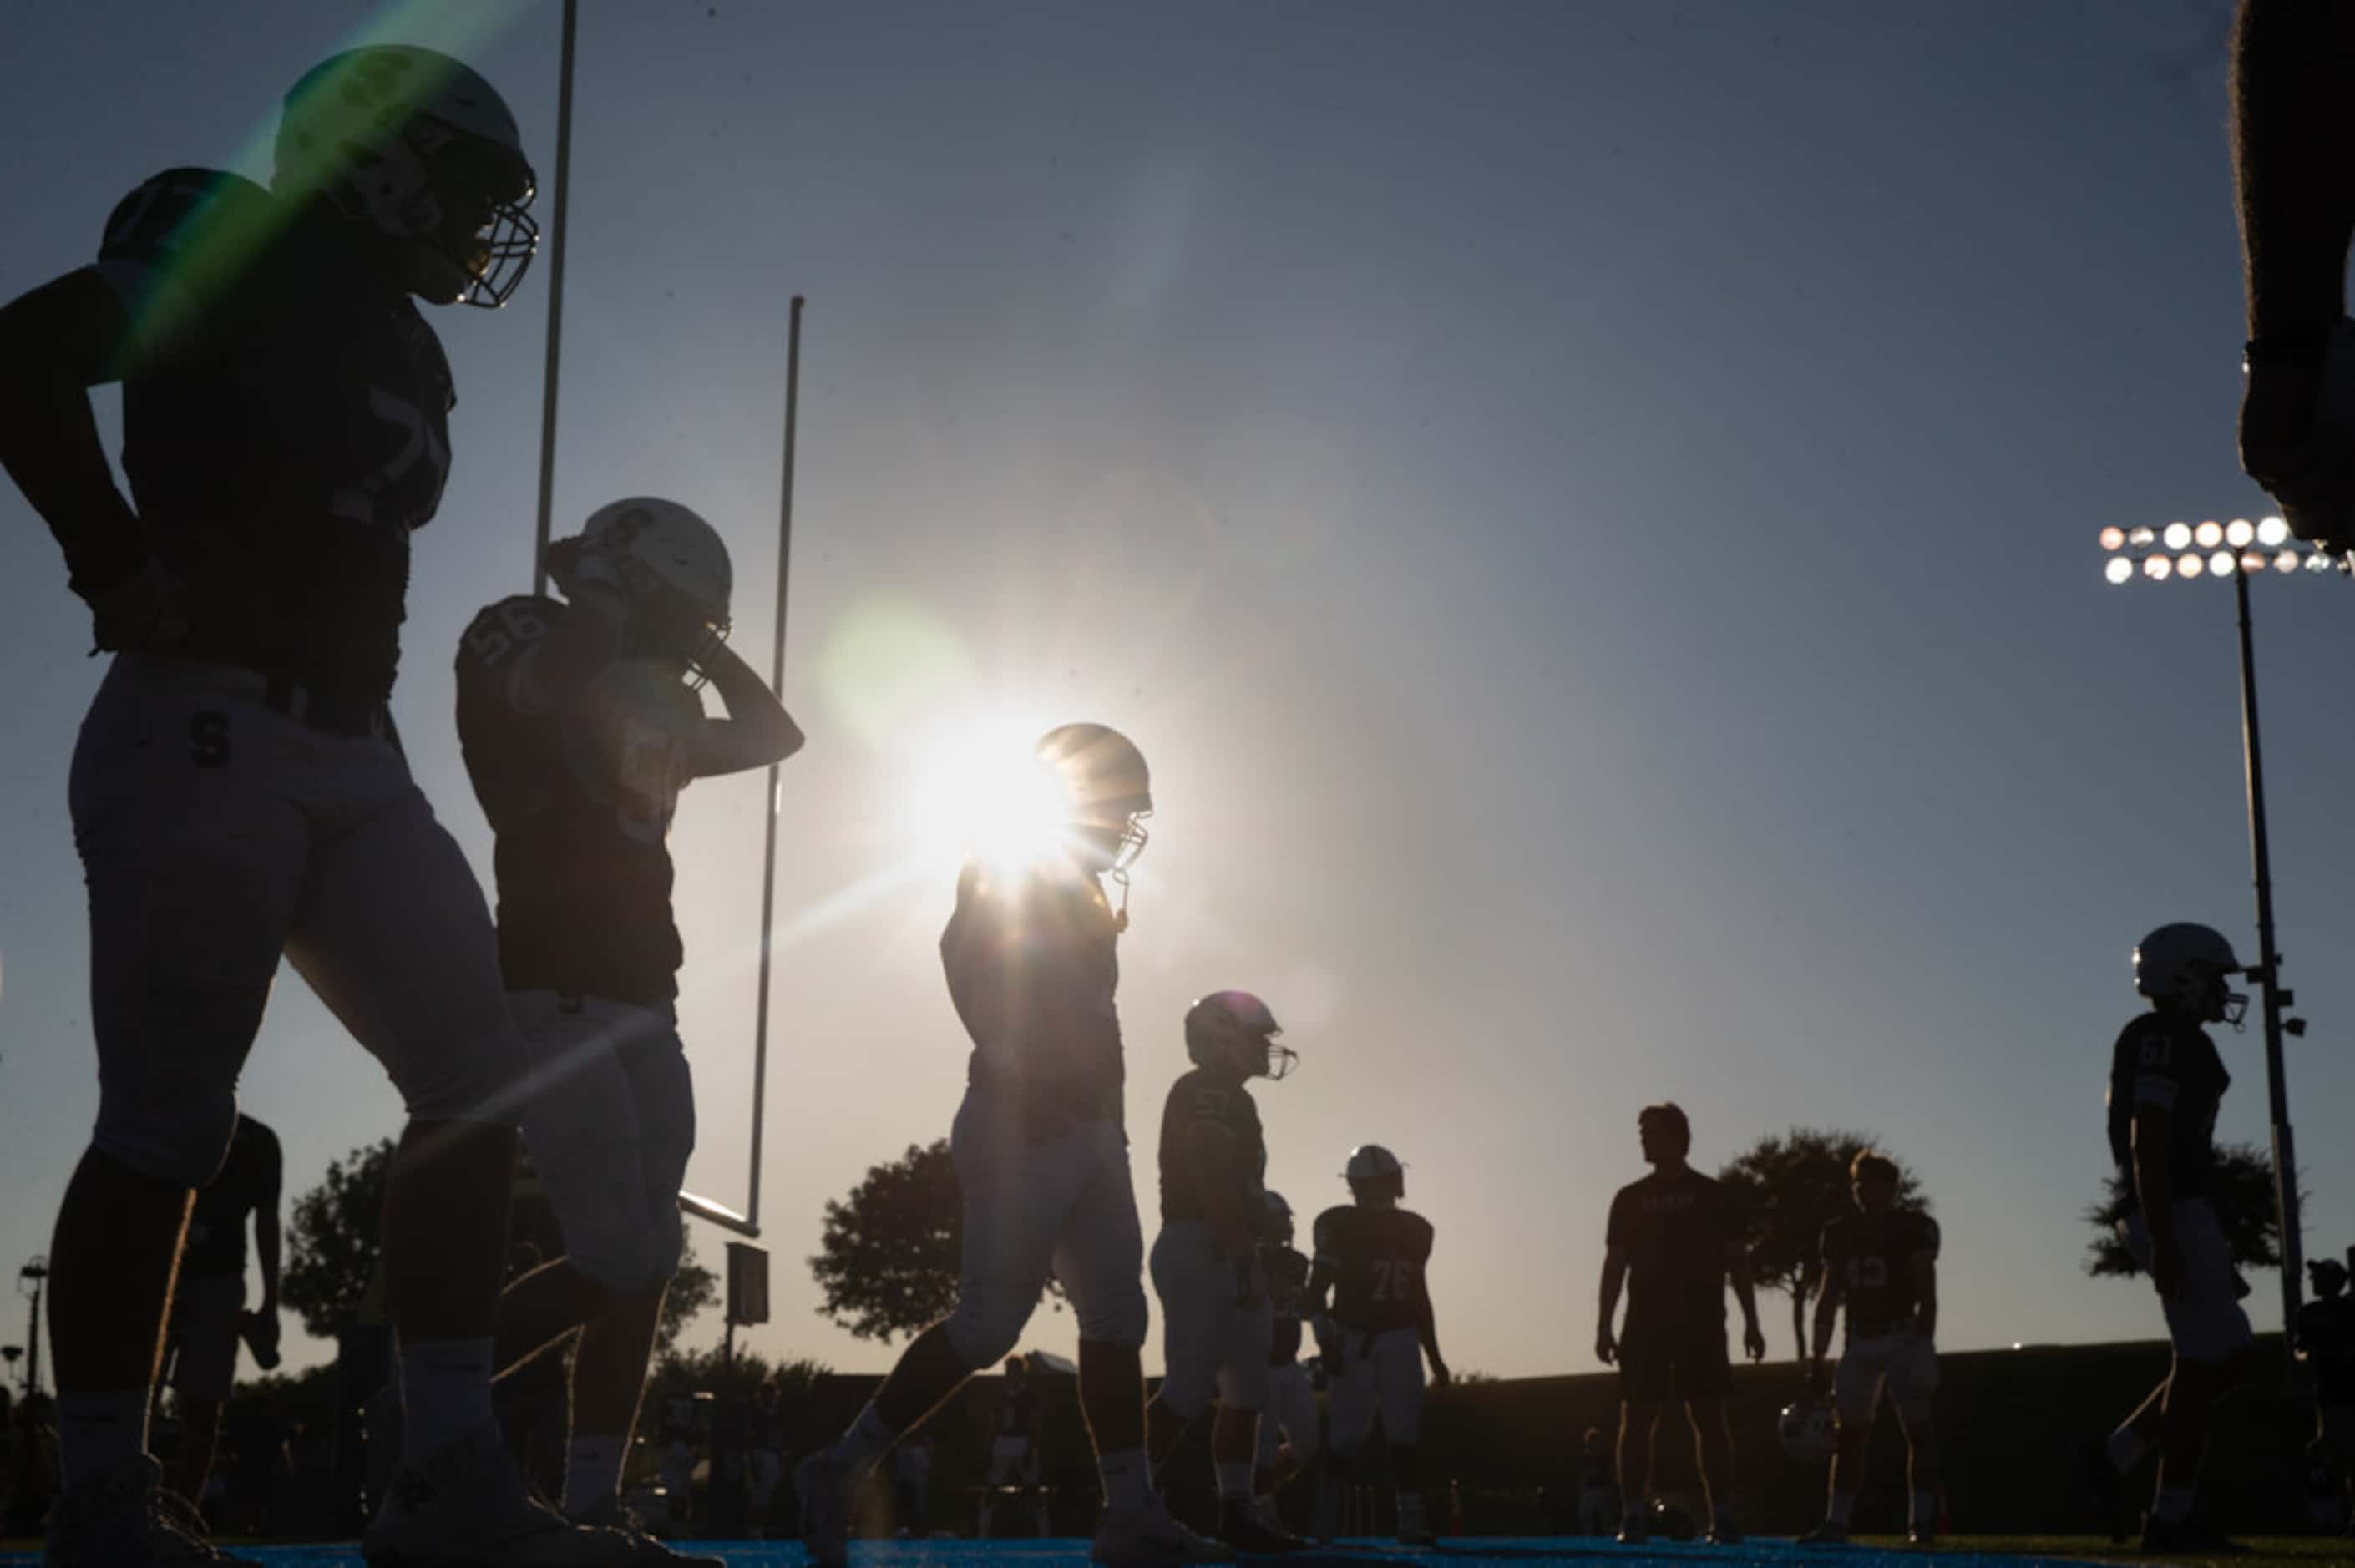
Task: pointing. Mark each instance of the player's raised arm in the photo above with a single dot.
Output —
(757, 730)
(56, 343)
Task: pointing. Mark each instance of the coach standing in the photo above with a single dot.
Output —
(1673, 1239)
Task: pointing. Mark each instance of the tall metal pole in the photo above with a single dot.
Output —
(777, 685)
(37, 1271)
(2269, 967)
(555, 298)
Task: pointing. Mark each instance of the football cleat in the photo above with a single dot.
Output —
(124, 1519)
(2185, 1536)
(609, 1513)
(1723, 1531)
(1148, 1535)
(1826, 1534)
(828, 1485)
(1249, 1530)
(2098, 1481)
(467, 1507)
(1636, 1528)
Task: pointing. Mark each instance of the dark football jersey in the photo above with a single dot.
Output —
(248, 1180)
(285, 426)
(1033, 963)
(1200, 1098)
(580, 797)
(2326, 1333)
(1287, 1299)
(1872, 1256)
(1017, 1411)
(2172, 1064)
(1376, 1258)
(1673, 1230)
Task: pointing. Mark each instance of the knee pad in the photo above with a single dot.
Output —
(982, 1332)
(1119, 1319)
(180, 1143)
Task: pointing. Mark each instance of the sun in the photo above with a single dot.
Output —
(977, 792)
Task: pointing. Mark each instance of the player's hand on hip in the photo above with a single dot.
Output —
(1606, 1349)
(2298, 431)
(143, 610)
(1754, 1342)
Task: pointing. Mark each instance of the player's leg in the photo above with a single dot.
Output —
(1855, 1395)
(192, 861)
(205, 1315)
(1245, 1410)
(1352, 1400)
(1399, 1388)
(393, 936)
(1639, 1422)
(1913, 1380)
(1708, 1378)
(1196, 1290)
(2211, 1337)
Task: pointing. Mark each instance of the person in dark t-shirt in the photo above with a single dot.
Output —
(2326, 1342)
(581, 722)
(209, 1303)
(1881, 1265)
(2166, 1082)
(1675, 1239)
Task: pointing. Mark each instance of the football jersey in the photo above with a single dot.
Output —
(1673, 1230)
(248, 1180)
(1376, 1258)
(2169, 1063)
(1872, 1256)
(1032, 960)
(1287, 1299)
(580, 795)
(285, 426)
(2326, 1333)
(1017, 1411)
(1198, 1097)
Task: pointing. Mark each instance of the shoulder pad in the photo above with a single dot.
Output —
(197, 216)
(1926, 1229)
(500, 632)
(1421, 1230)
(1331, 1226)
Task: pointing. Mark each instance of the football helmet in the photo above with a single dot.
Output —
(1808, 1430)
(1375, 1175)
(2183, 966)
(1233, 1029)
(1279, 1226)
(419, 148)
(2327, 1275)
(647, 547)
(1111, 792)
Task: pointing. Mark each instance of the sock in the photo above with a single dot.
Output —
(592, 1471)
(1234, 1482)
(2174, 1504)
(1843, 1506)
(865, 1440)
(2125, 1449)
(1127, 1478)
(445, 1393)
(96, 1430)
(1925, 1510)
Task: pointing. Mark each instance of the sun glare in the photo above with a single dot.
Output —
(980, 793)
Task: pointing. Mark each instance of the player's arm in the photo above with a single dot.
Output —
(1606, 1309)
(2152, 1123)
(1745, 1291)
(1209, 1150)
(1924, 1264)
(1829, 1294)
(1426, 1325)
(56, 343)
(757, 730)
(268, 1236)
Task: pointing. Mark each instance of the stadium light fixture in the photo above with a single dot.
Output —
(2242, 549)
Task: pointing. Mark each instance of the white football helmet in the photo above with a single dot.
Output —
(1375, 1175)
(1808, 1430)
(648, 540)
(2184, 967)
(1110, 790)
(1233, 1029)
(418, 147)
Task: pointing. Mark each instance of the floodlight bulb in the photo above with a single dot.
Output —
(2114, 538)
(2270, 531)
(2142, 538)
(2118, 569)
(2317, 562)
(2187, 564)
(2286, 561)
(2209, 534)
(2255, 561)
(2177, 535)
(2158, 568)
(2239, 533)
(2221, 563)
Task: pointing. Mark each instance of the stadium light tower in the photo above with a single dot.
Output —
(2241, 550)
(28, 1282)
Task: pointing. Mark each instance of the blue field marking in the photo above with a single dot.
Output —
(1470, 1552)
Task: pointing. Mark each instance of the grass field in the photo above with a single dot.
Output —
(1867, 1551)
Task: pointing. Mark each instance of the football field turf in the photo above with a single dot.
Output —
(1962, 1552)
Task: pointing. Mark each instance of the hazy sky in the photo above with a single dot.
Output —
(1589, 510)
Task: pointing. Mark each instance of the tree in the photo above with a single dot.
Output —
(1789, 1188)
(2244, 1205)
(888, 1263)
(332, 1240)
